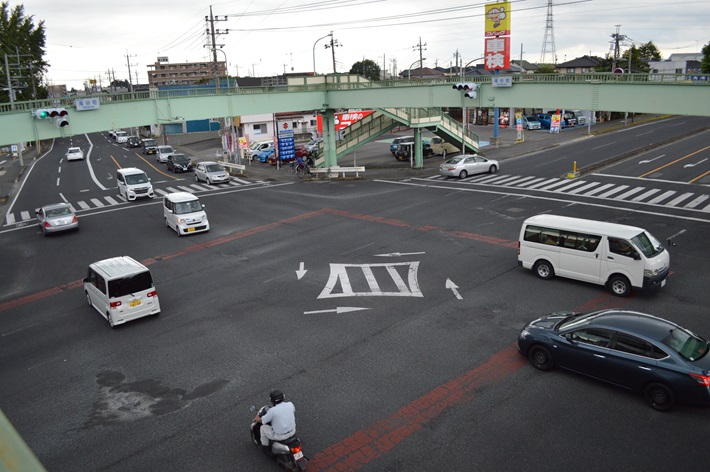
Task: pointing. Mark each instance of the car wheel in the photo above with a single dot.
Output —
(620, 286)
(541, 358)
(88, 298)
(110, 320)
(196, 178)
(492, 169)
(166, 223)
(177, 230)
(544, 270)
(209, 182)
(659, 397)
(463, 174)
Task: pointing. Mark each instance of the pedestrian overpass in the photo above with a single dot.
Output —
(417, 103)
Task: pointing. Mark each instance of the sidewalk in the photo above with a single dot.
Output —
(10, 175)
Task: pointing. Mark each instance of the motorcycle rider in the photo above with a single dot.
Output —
(279, 422)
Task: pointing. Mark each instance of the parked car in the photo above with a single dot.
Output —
(150, 146)
(404, 151)
(134, 142)
(263, 156)
(314, 145)
(179, 163)
(545, 120)
(211, 173)
(531, 122)
(468, 164)
(56, 217)
(442, 148)
(301, 151)
(636, 351)
(397, 141)
(112, 133)
(75, 154)
(163, 152)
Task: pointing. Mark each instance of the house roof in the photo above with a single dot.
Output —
(584, 61)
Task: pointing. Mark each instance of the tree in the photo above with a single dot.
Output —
(366, 68)
(705, 64)
(23, 44)
(546, 69)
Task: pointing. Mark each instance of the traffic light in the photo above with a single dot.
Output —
(469, 89)
(60, 116)
(41, 114)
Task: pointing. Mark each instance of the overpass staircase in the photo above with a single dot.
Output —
(384, 120)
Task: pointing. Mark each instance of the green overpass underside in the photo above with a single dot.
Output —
(412, 102)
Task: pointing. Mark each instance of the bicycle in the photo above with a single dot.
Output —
(299, 169)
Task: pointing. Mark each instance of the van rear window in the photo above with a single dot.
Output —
(130, 285)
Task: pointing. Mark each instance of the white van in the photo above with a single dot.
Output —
(184, 213)
(121, 289)
(617, 256)
(133, 183)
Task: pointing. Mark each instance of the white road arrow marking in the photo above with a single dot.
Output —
(651, 160)
(301, 272)
(695, 164)
(339, 310)
(399, 254)
(453, 287)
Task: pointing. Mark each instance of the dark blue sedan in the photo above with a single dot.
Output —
(640, 352)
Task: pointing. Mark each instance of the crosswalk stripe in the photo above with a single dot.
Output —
(97, 202)
(533, 181)
(200, 188)
(186, 189)
(706, 209)
(238, 181)
(545, 182)
(613, 191)
(556, 184)
(598, 189)
(697, 201)
(504, 179)
(160, 191)
(633, 191)
(519, 181)
(662, 197)
(171, 189)
(25, 215)
(572, 185)
(83, 205)
(645, 195)
(487, 178)
(10, 218)
(583, 188)
(111, 201)
(679, 199)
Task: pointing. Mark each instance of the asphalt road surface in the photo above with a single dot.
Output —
(387, 310)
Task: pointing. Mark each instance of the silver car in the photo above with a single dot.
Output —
(210, 172)
(56, 217)
(466, 164)
(164, 152)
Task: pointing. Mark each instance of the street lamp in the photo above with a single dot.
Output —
(418, 60)
(226, 67)
(314, 50)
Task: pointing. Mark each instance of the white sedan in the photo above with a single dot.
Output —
(466, 164)
(75, 154)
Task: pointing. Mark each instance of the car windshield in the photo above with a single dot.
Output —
(685, 343)
(149, 142)
(647, 244)
(187, 207)
(531, 118)
(136, 179)
(213, 168)
(181, 159)
(55, 212)
(575, 319)
(166, 150)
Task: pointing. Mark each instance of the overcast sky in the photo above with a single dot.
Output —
(86, 39)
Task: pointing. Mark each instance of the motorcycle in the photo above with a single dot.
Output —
(288, 453)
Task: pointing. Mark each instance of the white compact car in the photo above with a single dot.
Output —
(163, 153)
(121, 136)
(75, 154)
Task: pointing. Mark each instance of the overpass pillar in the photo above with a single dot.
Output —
(418, 149)
(329, 149)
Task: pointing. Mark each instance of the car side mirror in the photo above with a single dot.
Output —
(203, 206)
(86, 279)
(637, 256)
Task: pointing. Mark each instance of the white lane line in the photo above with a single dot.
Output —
(697, 201)
(25, 215)
(10, 218)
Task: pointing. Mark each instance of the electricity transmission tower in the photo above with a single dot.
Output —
(548, 56)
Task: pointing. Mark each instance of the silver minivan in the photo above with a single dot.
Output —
(121, 289)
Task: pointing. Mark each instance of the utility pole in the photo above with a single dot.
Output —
(333, 44)
(421, 48)
(212, 33)
(128, 61)
(618, 38)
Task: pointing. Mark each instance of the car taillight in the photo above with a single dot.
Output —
(47, 225)
(296, 449)
(518, 247)
(115, 304)
(152, 293)
(703, 380)
(74, 220)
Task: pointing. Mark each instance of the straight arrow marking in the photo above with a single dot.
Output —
(453, 287)
(338, 310)
(301, 271)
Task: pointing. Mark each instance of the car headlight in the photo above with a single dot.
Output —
(650, 272)
(181, 221)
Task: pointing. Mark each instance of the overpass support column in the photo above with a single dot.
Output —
(329, 149)
(418, 149)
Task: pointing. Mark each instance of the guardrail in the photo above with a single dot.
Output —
(233, 167)
(335, 170)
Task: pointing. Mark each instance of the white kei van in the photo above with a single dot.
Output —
(121, 289)
(133, 183)
(184, 213)
(617, 256)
